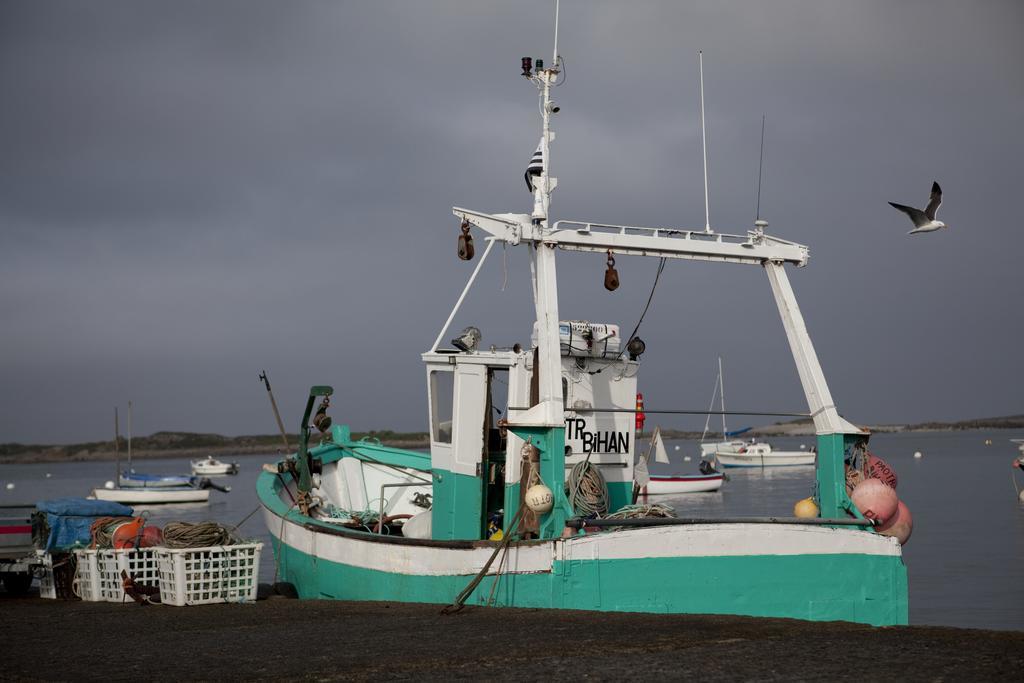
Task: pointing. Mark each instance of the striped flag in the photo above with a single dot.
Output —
(535, 167)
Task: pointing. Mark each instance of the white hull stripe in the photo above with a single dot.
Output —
(683, 541)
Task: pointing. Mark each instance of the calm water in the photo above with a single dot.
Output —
(965, 558)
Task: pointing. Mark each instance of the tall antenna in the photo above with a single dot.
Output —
(704, 143)
(760, 165)
(554, 56)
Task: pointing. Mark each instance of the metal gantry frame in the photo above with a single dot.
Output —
(755, 247)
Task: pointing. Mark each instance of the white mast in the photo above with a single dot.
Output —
(721, 395)
(704, 144)
(129, 439)
(549, 411)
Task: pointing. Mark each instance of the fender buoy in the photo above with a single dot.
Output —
(875, 500)
(880, 469)
(900, 525)
(539, 499)
(805, 508)
(151, 536)
(126, 535)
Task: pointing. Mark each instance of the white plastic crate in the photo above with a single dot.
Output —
(48, 583)
(141, 564)
(47, 588)
(200, 576)
(87, 575)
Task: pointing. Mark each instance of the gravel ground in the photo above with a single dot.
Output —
(291, 640)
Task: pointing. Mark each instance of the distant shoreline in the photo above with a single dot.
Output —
(188, 445)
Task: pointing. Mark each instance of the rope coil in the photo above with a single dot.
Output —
(198, 535)
(587, 490)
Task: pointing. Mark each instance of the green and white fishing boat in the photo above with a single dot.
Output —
(495, 513)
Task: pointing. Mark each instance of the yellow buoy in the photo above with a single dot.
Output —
(805, 508)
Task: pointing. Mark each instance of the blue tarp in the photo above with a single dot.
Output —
(738, 432)
(70, 519)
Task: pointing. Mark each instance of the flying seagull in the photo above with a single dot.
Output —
(924, 221)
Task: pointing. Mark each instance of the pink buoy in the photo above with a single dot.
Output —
(875, 500)
(879, 469)
(900, 526)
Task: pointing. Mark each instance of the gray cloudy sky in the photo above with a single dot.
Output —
(193, 191)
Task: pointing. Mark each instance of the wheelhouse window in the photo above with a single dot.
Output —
(442, 390)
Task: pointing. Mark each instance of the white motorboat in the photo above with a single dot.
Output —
(759, 454)
(684, 483)
(212, 466)
(152, 496)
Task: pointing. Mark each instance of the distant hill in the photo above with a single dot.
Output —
(192, 445)
(804, 426)
(182, 444)
(1008, 422)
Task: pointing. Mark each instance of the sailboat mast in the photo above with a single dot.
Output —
(129, 437)
(117, 446)
(721, 395)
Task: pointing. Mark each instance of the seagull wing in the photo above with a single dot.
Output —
(916, 215)
(933, 201)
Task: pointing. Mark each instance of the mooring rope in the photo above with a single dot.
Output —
(198, 534)
(460, 599)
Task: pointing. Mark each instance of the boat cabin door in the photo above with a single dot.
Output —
(465, 453)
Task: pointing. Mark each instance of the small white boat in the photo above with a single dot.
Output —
(658, 484)
(759, 454)
(684, 483)
(211, 466)
(152, 496)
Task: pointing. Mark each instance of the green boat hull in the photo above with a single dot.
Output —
(827, 587)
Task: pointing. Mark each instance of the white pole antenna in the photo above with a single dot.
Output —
(554, 56)
(760, 166)
(704, 143)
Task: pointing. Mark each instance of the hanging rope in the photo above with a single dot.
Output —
(532, 478)
(460, 599)
(587, 490)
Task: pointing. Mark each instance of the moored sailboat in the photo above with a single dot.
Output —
(133, 488)
(744, 453)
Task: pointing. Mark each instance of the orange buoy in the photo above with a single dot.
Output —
(900, 525)
(805, 508)
(875, 500)
(126, 535)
